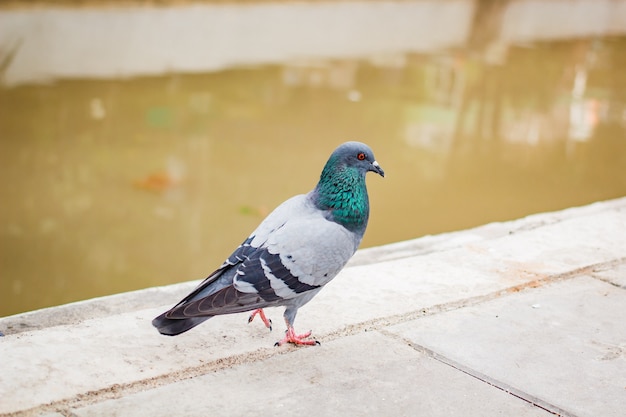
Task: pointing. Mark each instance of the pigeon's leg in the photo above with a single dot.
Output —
(261, 313)
(296, 339)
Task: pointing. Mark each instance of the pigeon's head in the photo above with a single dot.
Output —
(355, 155)
(341, 192)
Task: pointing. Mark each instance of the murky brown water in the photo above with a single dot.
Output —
(109, 186)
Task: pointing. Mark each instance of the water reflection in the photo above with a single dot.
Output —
(117, 185)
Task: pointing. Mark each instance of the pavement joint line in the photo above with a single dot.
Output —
(522, 395)
(608, 281)
(116, 391)
(615, 263)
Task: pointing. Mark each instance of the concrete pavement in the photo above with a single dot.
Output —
(522, 318)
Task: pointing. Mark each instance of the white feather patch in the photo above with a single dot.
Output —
(244, 286)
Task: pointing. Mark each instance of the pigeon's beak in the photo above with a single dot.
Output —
(377, 169)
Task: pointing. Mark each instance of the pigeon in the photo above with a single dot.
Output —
(295, 251)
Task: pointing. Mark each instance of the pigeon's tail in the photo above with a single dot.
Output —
(172, 327)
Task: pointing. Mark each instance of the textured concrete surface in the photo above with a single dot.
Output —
(562, 346)
(336, 380)
(519, 318)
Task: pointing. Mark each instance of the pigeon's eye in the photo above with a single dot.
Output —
(360, 156)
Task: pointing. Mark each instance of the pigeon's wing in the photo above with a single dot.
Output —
(223, 276)
(301, 255)
(218, 279)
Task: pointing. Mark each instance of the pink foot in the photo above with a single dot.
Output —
(296, 339)
(261, 313)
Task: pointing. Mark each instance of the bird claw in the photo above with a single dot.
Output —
(264, 319)
(296, 339)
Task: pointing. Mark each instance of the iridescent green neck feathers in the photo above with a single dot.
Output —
(342, 193)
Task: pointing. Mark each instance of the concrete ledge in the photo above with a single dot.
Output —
(47, 42)
(445, 324)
